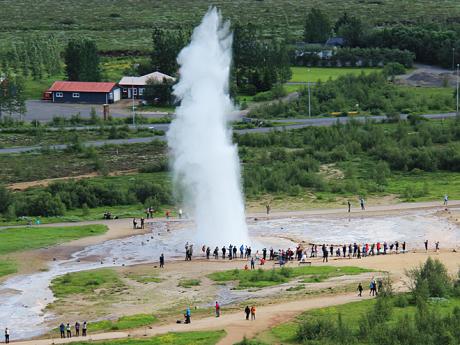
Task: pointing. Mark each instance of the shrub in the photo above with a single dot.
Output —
(322, 329)
(430, 280)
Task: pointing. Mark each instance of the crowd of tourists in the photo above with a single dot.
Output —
(301, 253)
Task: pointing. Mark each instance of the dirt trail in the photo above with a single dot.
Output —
(234, 323)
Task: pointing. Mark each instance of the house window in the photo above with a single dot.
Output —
(135, 91)
(76, 95)
(59, 94)
(141, 91)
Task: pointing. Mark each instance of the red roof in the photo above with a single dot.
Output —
(81, 86)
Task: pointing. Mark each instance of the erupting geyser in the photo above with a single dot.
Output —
(204, 159)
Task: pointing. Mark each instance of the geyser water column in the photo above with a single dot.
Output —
(204, 159)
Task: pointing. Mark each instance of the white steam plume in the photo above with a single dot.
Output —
(205, 161)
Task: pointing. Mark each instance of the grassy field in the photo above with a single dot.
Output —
(263, 278)
(85, 282)
(18, 239)
(7, 267)
(313, 74)
(121, 25)
(183, 338)
(351, 314)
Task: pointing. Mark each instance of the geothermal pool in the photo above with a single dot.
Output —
(25, 297)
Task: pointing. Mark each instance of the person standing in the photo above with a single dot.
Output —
(77, 329)
(268, 209)
(361, 202)
(360, 290)
(446, 199)
(134, 223)
(247, 310)
(62, 329)
(180, 213)
(217, 309)
(69, 330)
(208, 252)
(252, 264)
(84, 327)
(234, 252)
(426, 245)
(325, 253)
(253, 313)
(162, 261)
(437, 246)
(349, 206)
(188, 315)
(142, 222)
(7, 335)
(230, 252)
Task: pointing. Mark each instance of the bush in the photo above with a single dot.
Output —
(322, 329)
(430, 280)
(401, 301)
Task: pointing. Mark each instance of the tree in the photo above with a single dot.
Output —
(159, 92)
(258, 63)
(317, 26)
(166, 46)
(5, 199)
(12, 98)
(352, 29)
(82, 61)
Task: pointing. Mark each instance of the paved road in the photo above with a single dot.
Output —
(299, 123)
(44, 111)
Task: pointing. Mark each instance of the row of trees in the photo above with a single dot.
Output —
(431, 44)
(59, 197)
(258, 63)
(34, 56)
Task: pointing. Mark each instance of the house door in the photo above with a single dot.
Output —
(129, 92)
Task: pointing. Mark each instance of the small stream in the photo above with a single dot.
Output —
(25, 297)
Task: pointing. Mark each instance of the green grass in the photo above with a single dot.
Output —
(313, 74)
(18, 239)
(264, 278)
(425, 186)
(183, 338)
(7, 267)
(85, 282)
(34, 88)
(188, 283)
(116, 24)
(351, 314)
(124, 322)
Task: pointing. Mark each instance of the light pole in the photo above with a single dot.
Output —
(136, 65)
(453, 59)
(132, 96)
(457, 89)
(309, 97)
